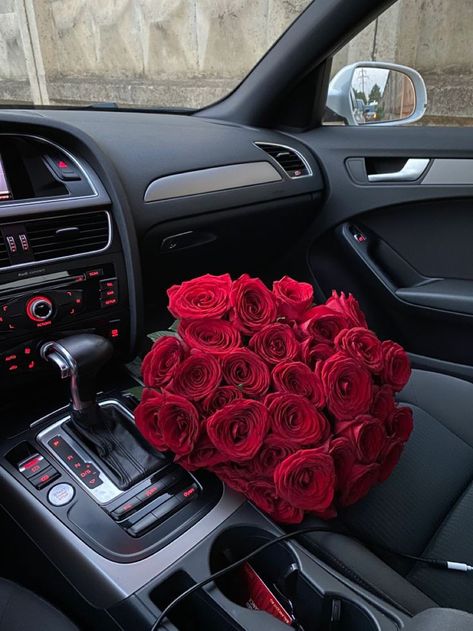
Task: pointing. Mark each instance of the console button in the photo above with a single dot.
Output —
(44, 478)
(61, 494)
(33, 465)
(178, 501)
(39, 308)
(142, 525)
(126, 508)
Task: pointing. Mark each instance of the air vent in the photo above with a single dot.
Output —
(4, 260)
(78, 233)
(289, 159)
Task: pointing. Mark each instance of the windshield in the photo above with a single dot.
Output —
(134, 53)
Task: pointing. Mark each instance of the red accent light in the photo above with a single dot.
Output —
(31, 463)
(93, 273)
(13, 367)
(43, 324)
(27, 350)
(62, 165)
(151, 491)
(78, 301)
(115, 333)
(30, 314)
(56, 443)
(10, 358)
(31, 365)
(45, 477)
(110, 301)
(189, 492)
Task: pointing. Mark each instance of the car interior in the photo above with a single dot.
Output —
(101, 210)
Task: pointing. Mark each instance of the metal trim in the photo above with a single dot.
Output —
(310, 173)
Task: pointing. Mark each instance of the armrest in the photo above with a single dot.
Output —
(446, 294)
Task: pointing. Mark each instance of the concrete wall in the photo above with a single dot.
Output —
(191, 52)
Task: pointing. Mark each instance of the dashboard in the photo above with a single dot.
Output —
(94, 205)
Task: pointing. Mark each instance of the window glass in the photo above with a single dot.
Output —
(135, 53)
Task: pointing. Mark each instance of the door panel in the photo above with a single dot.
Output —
(404, 248)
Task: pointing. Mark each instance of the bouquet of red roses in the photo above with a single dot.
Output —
(289, 403)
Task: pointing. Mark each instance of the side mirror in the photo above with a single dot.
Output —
(372, 92)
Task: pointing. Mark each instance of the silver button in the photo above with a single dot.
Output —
(61, 494)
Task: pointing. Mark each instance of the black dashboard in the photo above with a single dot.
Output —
(94, 204)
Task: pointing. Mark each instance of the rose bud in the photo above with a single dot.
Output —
(383, 403)
(179, 424)
(197, 376)
(203, 455)
(211, 336)
(313, 350)
(348, 307)
(147, 418)
(238, 429)
(363, 345)
(397, 367)
(293, 298)
(297, 378)
(244, 369)
(273, 451)
(363, 478)
(389, 459)
(306, 479)
(204, 297)
(254, 306)
(322, 324)
(400, 423)
(343, 453)
(275, 343)
(348, 386)
(367, 435)
(162, 360)
(296, 420)
(219, 398)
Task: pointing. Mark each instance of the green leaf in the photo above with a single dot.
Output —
(174, 326)
(158, 334)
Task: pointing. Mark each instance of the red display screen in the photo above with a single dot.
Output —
(5, 192)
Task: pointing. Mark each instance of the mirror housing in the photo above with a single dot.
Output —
(344, 102)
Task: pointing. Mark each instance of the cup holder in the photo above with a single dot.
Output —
(279, 569)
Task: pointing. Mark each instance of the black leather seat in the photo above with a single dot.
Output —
(425, 508)
(20, 609)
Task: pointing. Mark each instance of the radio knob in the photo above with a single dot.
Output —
(39, 309)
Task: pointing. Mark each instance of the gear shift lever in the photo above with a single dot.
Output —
(102, 430)
(79, 357)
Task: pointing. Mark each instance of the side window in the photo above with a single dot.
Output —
(432, 38)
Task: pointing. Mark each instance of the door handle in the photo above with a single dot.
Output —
(411, 171)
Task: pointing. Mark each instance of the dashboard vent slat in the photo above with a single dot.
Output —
(85, 232)
(290, 160)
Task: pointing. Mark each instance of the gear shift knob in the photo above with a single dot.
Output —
(79, 357)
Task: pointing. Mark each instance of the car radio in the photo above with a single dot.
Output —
(33, 309)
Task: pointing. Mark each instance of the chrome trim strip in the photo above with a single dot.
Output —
(61, 258)
(258, 144)
(211, 180)
(410, 172)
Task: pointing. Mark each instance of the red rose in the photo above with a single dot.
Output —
(263, 494)
(253, 304)
(197, 376)
(296, 420)
(383, 402)
(212, 336)
(397, 367)
(204, 297)
(322, 324)
(349, 307)
(348, 386)
(244, 369)
(297, 378)
(147, 418)
(363, 478)
(203, 455)
(389, 459)
(235, 475)
(400, 424)
(273, 451)
(313, 351)
(219, 398)
(285, 513)
(179, 424)
(343, 453)
(293, 298)
(160, 363)
(363, 345)
(367, 435)
(307, 480)
(275, 343)
(238, 429)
